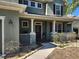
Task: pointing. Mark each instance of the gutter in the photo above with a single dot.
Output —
(46, 17)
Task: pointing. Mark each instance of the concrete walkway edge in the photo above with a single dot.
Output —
(46, 49)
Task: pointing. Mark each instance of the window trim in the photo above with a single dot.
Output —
(32, 6)
(55, 8)
(24, 1)
(25, 26)
(41, 5)
(36, 4)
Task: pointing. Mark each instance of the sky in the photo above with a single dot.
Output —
(76, 11)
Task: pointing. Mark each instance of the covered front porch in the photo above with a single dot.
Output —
(36, 29)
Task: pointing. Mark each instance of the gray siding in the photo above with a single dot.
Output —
(50, 9)
(15, 1)
(58, 1)
(36, 10)
(50, 6)
(11, 30)
(33, 10)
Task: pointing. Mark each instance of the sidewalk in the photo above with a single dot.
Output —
(43, 52)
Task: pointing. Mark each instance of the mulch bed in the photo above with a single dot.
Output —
(23, 50)
(65, 53)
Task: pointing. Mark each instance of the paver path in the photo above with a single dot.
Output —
(43, 52)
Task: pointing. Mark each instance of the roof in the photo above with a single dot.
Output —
(12, 6)
(46, 1)
(46, 17)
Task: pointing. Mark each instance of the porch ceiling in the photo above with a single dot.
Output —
(44, 17)
(12, 6)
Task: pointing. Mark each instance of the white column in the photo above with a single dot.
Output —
(54, 22)
(46, 8)
(3, 51)
(2, 37)
(32, 20)
(32, 34)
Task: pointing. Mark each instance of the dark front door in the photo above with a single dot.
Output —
(38, 33)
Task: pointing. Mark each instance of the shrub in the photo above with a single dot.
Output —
(55, 38)
(64, 37)
(71, 36)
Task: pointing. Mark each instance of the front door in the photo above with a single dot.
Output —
(38, 33)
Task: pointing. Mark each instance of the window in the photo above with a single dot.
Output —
(25, 24)
(68, 27)
(25, 2)
(32, 4)
(59, 27)
(58, 9)
(39, 5)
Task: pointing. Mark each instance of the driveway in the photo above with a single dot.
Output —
(43, 52)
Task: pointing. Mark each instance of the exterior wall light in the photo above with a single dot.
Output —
(10, 21)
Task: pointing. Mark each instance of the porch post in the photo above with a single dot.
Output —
(32, 33)
(2, 37)
(54, 22)
(32, 20)
(3, 50)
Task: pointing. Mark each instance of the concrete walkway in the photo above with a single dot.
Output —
(43, 52)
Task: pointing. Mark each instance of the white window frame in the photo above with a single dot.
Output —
(25, 26)
(41, 5)
(23, 2)
(29, 3)
(55, 8)
(32, 6)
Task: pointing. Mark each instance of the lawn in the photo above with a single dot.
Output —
(65, 53)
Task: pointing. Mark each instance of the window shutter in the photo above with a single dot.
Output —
(61, 10)
(54, 8)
